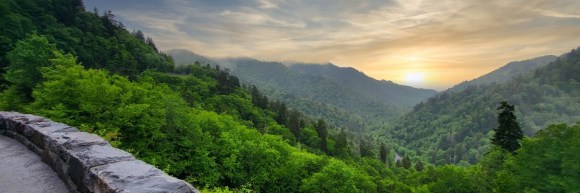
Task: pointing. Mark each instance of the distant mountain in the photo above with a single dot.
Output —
(397, 95)
(181, 57)
(455, 126)
(507, 72)
(346, 97)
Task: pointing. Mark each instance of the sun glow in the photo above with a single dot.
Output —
(414, 77)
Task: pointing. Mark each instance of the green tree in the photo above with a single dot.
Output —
(383, 153)
(419, 166)
(508, 134)
(322, 131)
(547, 162)
(365, 148)
(406, 162)
(25, 61)
(341, 145)
(338, 177)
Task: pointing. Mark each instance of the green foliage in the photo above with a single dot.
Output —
(321, 90)
(406, 162)
(455, 126)
(23, 70)
(508, 133)
(548, 162)
(199, 125)
(326, 180)
(26, 59)
(98, 41)
(383, 153)
(419, 166)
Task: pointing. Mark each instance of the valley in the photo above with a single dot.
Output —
(239, 124)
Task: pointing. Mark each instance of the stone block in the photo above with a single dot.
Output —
(17, 121)
(60, 142)
(134, 176)
(23, 140)
(80, 160)
(41, 132)
(159, 184)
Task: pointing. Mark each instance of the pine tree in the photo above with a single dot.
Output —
(398, 164)
(406, 162)
(341, 144)
(508, 134)
(419, 166)
(322, 131)
(365, 148)
(383, 153)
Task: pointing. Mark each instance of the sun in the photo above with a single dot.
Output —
(414, 77)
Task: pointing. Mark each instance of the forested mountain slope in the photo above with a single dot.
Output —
(198, 123)
(401, 96)
(195, 122)
(454, 126)
(507, 72)
(344, 96)
(97, 39)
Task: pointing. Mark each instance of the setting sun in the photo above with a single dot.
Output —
(414, 77)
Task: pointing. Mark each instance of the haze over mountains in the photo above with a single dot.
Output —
(507, 72)
(448, 127)
(455, 125)
(203, 124)
(321, 90)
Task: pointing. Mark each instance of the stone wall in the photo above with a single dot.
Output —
(84, 161)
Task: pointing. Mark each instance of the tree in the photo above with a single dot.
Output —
(406, 162)
(398, 163)
(322, 131)
(25, 61)
(383, 153)
(341, 144)
(419, 166)
(338, 177)
(508, 134)
(365, 148)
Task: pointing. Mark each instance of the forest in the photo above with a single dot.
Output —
(204, 125)
(454, 126)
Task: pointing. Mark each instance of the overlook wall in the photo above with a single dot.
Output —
(84, 161)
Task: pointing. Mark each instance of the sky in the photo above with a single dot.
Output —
(428, 44)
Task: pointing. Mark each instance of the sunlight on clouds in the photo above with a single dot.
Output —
(446, 41)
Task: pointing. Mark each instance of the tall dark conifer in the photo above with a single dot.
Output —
(383, 153)
(508, 134)
(406, 162)
(322, 131)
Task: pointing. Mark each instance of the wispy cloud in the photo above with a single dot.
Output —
(385, 39)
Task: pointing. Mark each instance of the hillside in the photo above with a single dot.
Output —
(507, 72)
(344, 96)
(401, 96)
(455, 126)
(198, 122)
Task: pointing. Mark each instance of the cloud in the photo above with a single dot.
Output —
(451, 40)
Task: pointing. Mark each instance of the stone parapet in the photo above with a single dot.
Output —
(84, 161)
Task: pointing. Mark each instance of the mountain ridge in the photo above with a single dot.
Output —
(455, 126)
(341, 88)
(507, 72)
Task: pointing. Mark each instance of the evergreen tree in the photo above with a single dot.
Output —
(406, 162)
(341, 144)
(508, 134)
(419, 166)
(365, 148)
(322, 131)
(383, 153)
(398, 163)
